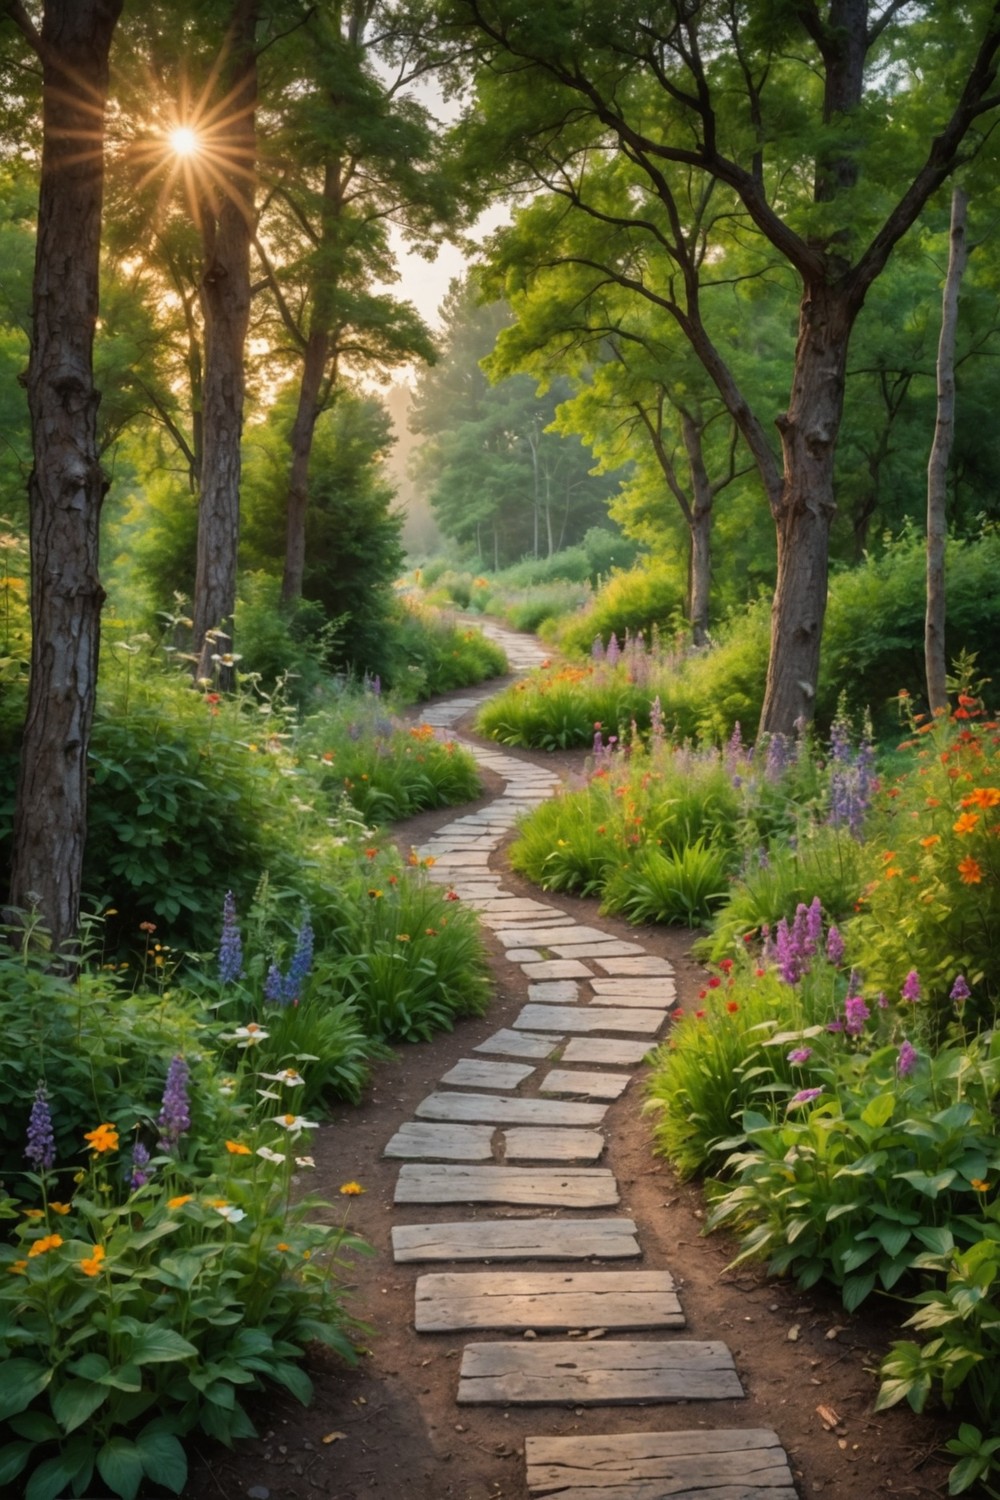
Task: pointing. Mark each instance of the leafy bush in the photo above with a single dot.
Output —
(433, 653)
(681, 888)
(650, 593)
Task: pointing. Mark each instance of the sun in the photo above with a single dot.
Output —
(184, 141)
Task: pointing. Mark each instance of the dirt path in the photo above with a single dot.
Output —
(392, 1427)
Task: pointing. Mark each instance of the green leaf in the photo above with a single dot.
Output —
(20, 1382)
(878, 1111)
(124, 1378)
(50, 1479)
(90, 1366)
(163, 1459)
(930, 1186)
(13, 1457)
(936, 1237)
(120, 1466)
(76, 1400)
(965, 1473)
(160, 1346)
(856, 1289)
(36, 1426)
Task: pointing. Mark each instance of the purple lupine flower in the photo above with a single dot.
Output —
(853, 981)
(175, 1112)
(881, 1000)
(960, 991)
(834, 947)
(734, 749)
(779, 756)
(230, 943)
(274, 985)
(40, 1149)
(835, 1026)
(856, 1013)
(804, 1096)
(302, 960)
(140, 1163)
(800, 931)
(907, 1059)
(788, 955)
(814, 925)
(851, 777)
(613, 652)
(800, 1055)
(597, 649)
(911, 987)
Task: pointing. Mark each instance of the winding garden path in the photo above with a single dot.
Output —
(546, 1288)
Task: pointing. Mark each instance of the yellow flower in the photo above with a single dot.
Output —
(979, 1185)
(33, 1213)
(282, 1246)
(235, 1149)
(18, 1267)
(91, 1265)
(61, 1208)
(104, 1138)
(351, 1189)
(179, 1202)
(44, 1245)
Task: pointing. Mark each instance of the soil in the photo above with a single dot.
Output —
(389, 1427)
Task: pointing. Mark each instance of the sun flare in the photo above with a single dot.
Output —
(184, 141)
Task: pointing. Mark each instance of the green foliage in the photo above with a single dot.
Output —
(682, 888)
(434, 653)
(650, 593)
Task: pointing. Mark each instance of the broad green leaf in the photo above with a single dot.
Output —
(50, 1479)
(159, 1346)
(163, 1459)
(120, 1466)
(13, 1457)
(76, 1400)
(20, 1382)
(878, 1111)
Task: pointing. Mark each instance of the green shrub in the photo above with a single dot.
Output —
(650, 593)
(434, 653)
(682, 887)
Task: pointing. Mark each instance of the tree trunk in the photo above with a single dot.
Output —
(806, 508)
(310, 386)
(67, 485)
(226, 230)
(699, 519)
(937, 468)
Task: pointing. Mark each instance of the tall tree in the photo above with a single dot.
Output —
(757, 103)
(67, 484)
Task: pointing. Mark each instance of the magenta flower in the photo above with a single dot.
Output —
(911, 987)
(856, 1013)
(907, 1059)
(881, 1001)
(804, 1096)
(834, 947)
(800, 1054)
(960, 991)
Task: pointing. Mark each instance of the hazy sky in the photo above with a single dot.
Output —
(425, 283)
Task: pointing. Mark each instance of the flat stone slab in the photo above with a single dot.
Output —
(490, 1109)
(522, 1044)
(587, 1018)
(546, 935)
(743, 1463)
(613, 948)
(661, 991)
(554, 992)
(522, 1143)
(599, 1372)
(417, 1139)
(557, 968)
(646, 965)
(554, 1187)
(598, 1049)
(548, 1299)
(525, 955)
(592, 1085)
(517, 1239)
(471, 1073)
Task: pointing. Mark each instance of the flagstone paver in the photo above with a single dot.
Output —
(602, 1372)
(517, 1239)
(593, 998)
(566, 1187)
(538, 1300)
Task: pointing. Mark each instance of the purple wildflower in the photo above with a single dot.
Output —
(274, 985)
(835, 1026)
(788, 954)
(656, 720)
(804, 1096)
(140, 1162)
(851, 778)
(597, 649)
(834, 947)
(800, 931)
(960, 991)
(907, 1059)
(41, 1145)
(613, 652)
(814, 925)
(800, 1054)
(302, 960)
(175, 1113)
(911, 987)
(856, 1013)
(778, 758)
(230, 943)
(881, 1000)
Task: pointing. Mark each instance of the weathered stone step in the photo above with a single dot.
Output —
(651, 988)
(596, 1372)
(518, 1044)
(539, 1143)
(553, 968)
(554, 992)
(722, 1464)
(517, 1239)
(591, 1085)
(547, 1300)
(420, 1138)
(544, 937)
(492, 1109)
(424, 1140)
(586, 1018)
(600, 1049)
(558, 1187)
(646, 965)
(473, 1073)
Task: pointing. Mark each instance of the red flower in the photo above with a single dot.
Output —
(732, 1007)
(714, 982)
(725, 965)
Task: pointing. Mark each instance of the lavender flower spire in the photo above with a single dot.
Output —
(140, 1163)
(834, 947)
(274, 985)
(230, 943)
(911, 987)
(41, 1144)
(175, 1113)
(302, 960)
(856, 1013)
(907, 1059)
(814, 925)
(960, 991)
(613, 652)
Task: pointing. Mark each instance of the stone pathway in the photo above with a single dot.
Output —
(519, 1126)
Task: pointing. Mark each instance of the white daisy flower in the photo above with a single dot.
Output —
(290, 1076)
(228, 1212)
(269, 1155)
(247, 1036)
(304, 1161)
(295, 1124)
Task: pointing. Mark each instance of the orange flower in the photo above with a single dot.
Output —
(930, 841)
(965, 824)
(984, 797)
(351, 1189)
(978, 1185)
(235, 1149)
(179, 1202)
(60, 1208)
(44, 1245)
(17, 1268)
(104, 1138)
(91, 1265)
(970, 871)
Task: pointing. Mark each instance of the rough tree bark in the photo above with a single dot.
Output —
(67, 485)
(935, 662)
(227, 214)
